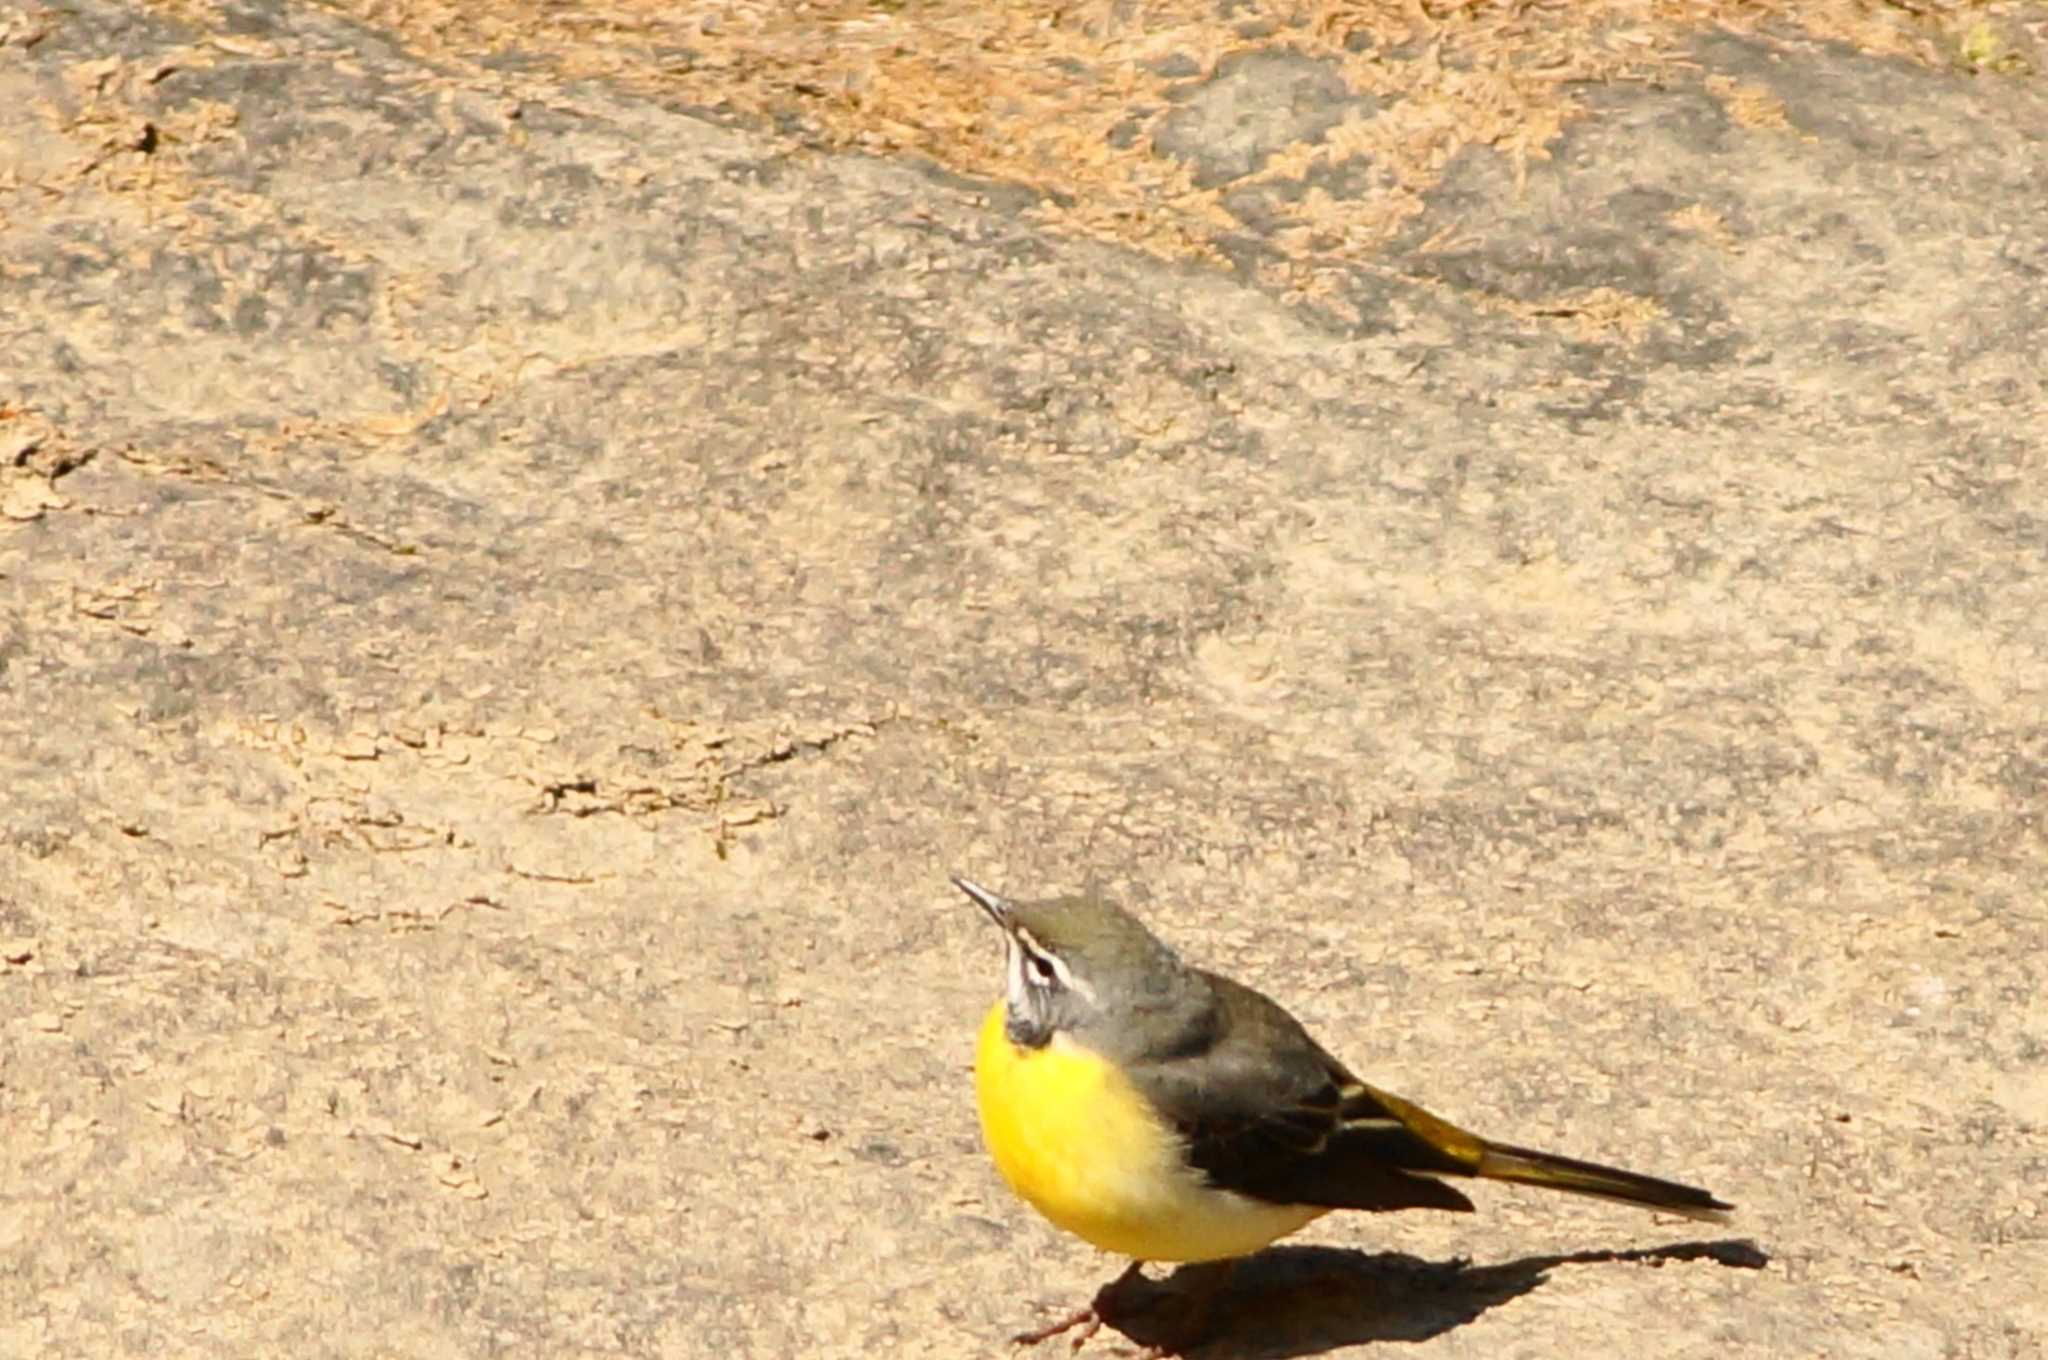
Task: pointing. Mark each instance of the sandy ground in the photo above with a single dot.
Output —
(535, 539)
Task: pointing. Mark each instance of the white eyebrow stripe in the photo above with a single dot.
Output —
(1029, 943)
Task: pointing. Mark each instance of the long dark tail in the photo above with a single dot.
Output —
(1499, 1162)
(1401, 1132)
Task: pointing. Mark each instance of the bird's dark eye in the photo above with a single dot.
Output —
(1041, 969)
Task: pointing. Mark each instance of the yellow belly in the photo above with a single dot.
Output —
(1077, 1141)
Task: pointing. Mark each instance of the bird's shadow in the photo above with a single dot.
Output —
(1299, 1301)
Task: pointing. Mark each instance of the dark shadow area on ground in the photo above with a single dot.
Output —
(1300, 1301)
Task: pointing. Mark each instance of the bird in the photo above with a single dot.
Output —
(1170, 1114)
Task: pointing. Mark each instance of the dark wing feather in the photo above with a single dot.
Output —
(1268, 1113)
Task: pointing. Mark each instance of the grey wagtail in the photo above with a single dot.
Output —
(1166, 1113)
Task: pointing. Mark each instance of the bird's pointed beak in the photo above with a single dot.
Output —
(998, 910)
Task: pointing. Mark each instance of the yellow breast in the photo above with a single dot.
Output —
(1076, 1140)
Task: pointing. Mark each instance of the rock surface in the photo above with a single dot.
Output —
(535, 539)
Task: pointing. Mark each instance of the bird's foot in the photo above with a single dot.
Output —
(1086, 1322)
(1164, 1322)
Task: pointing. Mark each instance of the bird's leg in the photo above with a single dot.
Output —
(1088, 1320)
(1205, 1283)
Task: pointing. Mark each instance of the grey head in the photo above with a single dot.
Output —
(1088, 969)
